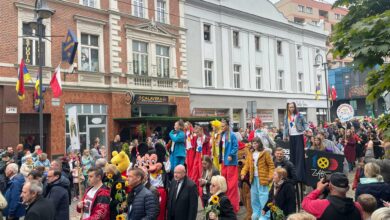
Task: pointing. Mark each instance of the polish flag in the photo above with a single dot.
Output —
(56, 82)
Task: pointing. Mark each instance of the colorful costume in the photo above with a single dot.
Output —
(215, 137)
(178, 149)
(260, 167)
(228, 147)
(201, 146)
(244, 185)
(190, 148)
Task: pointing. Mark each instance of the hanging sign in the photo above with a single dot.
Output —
(345, 112)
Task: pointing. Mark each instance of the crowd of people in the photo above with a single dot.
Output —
(221, 169)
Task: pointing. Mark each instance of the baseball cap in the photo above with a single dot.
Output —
(339, 180)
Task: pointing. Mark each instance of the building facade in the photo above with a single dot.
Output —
(317, 13)
(242, 55)
(130, 61)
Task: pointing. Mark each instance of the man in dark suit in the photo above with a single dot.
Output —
(38, 207)
(183, 196)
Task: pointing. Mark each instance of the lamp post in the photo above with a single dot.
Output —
(42, 12)
(325, 65)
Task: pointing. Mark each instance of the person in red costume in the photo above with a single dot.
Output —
(190, 138)
(202, 147)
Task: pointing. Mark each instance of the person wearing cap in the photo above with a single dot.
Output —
(337, 205)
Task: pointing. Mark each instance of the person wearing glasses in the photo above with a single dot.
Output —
(218, 189)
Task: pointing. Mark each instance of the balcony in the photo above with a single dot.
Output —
(157, 83)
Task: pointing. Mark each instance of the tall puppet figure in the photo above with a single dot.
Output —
(190, 146)
(294, 128)
(228, 148)
(215, 137)
(202, 147)
(178, 149)
(261, 133)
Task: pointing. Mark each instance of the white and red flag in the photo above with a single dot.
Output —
(56, 83)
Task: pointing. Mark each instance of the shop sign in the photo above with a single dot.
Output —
(236, 117)
(203, 112)
(11, 110)
(150, 99)
(308, 103)
(55, 101)
(266, 115)
(345, 112)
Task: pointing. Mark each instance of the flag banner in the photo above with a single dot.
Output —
(56, 83)
(23, 76)
(318, 91)
(73, 129)
(36, 95)
(286, 147)
(321, 163)
(69, 47)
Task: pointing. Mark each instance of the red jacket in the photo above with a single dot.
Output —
(100, 204)
(317, 207)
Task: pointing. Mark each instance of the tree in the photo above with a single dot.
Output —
(364, 33)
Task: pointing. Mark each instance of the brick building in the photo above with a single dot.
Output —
(125, 47)
(317, 13)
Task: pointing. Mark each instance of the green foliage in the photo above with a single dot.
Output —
(125, 148)
(364, 33)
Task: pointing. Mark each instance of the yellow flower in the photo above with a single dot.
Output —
(109, 176)
(120, 217)
(215, 200)
(118, 186)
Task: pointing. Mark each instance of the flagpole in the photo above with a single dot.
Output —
(39, 22)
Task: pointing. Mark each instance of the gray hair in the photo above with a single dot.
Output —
(381, 214)
(340, 189)
(36, 187)
(101, 162)
(13, 167)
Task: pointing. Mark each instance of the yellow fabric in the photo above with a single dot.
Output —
(215, 149)
(265, 167)
(120, 160)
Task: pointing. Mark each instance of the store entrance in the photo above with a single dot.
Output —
(29, 131)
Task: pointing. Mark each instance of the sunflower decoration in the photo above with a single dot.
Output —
(120, 217)
(109, 175)
(118, 186)
(214, 199)
(276, 212)
(120, 194)
(213, 206)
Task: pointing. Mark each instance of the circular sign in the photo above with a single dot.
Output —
(96, 121)
(345, 112)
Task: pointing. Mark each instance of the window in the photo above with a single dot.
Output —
(309, 10)
(90, 3)
(299, 20)
(279, 47)
(208, 73)
(323, 14)
(257, 43)
(138, 8)
(301, 8)
(162, 55)
(140, 58)
(236, 39)
(300, 82)
(30, 45)
(299, 51)
(236, 76)
(259, 73)
(280, 80)
(161, 5)
(338, 16)
(89, 52)
(207, 32)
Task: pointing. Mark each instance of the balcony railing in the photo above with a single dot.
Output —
(156, 83)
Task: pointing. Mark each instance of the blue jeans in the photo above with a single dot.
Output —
(259, 198)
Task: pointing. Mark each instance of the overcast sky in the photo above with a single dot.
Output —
(330, 1)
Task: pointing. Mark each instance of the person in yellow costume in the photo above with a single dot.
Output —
(215, 137)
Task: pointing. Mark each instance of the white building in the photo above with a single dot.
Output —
(240, 51)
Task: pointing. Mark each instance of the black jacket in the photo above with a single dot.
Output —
(225, 208)
(57, 193)
(144, 204)
(340, 209)
(379, 190)
(284, 199)
(289, 167)
(185, 206)
(41, 209)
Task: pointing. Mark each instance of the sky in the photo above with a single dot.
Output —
(330, 1)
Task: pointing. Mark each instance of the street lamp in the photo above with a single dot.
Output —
(42, 12)
(325, 64)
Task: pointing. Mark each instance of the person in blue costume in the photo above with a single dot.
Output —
(178, 149)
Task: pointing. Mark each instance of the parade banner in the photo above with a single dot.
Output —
(322, 163)
(345, 112)
(286, 147)
(73, 128)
